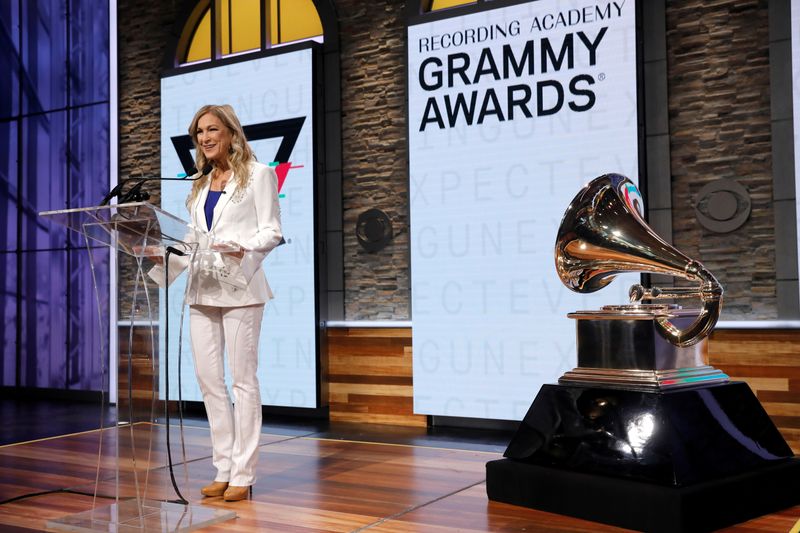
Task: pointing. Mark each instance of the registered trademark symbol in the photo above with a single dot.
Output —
(601, 76)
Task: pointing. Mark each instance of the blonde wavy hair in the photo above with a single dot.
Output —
(240, 155)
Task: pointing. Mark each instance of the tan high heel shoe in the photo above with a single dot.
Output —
(234, 493)
(217, 488)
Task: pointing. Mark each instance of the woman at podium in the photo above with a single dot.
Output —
(235, 213)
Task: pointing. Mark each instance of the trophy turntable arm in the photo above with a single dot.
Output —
(709, 292)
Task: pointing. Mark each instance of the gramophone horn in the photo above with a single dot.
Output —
(603, 234)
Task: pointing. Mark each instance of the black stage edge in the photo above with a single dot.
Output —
(645, 506)
(689, 459)
(197, 409)
(38, 393)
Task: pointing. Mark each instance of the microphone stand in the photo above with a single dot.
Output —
(170, 250)
(136, 194)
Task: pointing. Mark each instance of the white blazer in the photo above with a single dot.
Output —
(248, 216)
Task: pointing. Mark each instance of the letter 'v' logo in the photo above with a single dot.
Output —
(288, 129)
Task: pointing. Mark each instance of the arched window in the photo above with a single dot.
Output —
(436, 5)
(241, 26)
(440, 8)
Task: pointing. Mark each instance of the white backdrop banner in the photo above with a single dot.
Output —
(795, 16)
(511, 111)
(274, 100)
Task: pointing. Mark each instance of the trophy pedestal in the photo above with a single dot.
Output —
(688, 459)
(621, 346)
(644, 506)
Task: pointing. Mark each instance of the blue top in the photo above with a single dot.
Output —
(211, 202)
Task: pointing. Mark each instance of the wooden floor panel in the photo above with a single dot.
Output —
(769, 361)
(304, 485)
(469, 511)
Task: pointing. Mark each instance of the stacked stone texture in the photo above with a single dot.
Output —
(374, 154)
(719, 125)
(143, 32)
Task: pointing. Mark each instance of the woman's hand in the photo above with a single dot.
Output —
(230, 249)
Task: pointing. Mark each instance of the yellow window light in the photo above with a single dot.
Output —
(245, 25)
(444, 4)
(239, 26)
(293, 20)
(200, 46)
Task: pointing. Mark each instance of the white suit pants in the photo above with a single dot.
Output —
(235, 429)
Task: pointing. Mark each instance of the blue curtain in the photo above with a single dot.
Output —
(54, 149)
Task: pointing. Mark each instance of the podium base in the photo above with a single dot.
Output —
(143, 516)
(646, 506)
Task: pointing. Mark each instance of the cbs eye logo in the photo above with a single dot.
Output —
(722, 206)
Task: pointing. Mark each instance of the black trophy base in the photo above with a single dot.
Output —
(644, 506)
(693, 459)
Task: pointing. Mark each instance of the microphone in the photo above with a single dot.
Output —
(206, 171)
(173, 250)
(135, 194)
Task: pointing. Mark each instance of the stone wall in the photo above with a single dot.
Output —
(719, 125)
(142, 34)
(374, 154)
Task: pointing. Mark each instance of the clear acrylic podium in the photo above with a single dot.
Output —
(134, 489)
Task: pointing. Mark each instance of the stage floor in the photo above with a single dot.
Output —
(341, 478)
